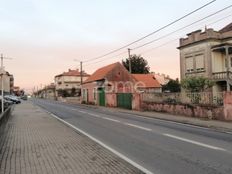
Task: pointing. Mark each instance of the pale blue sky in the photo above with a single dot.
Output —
(44, 36)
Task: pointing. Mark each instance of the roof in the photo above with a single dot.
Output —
(101, 73)
(148, 79)
(226, 28)
(73, 73)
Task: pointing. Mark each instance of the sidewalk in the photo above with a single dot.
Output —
(213, 124)
(33, 142)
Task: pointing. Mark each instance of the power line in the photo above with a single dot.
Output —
(170, 34)
(170, 41)
(147, 43)
(156, 31)
(107, 58)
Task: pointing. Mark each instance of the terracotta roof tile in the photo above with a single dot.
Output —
(73, 73)
(101, 73)
(148, 79)
(226, 28)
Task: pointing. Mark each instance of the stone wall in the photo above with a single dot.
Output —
(207, 112)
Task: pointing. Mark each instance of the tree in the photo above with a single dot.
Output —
(138, 65)
(172, 86)
(196, 84)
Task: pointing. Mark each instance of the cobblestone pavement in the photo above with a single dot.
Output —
(33, 142)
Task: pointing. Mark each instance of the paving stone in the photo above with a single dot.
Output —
(33, 142)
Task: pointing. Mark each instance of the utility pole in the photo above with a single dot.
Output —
(129, 55)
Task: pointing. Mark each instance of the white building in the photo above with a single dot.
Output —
(69, 81)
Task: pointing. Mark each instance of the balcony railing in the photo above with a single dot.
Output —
(222, 75)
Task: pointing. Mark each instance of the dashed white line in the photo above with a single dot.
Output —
(83, 112)
(106, 146)
(229, 133)
(136, 126)
(110, 119)
(74, 109)
(95, 115)
(194, 142)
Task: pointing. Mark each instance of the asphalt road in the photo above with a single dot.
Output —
(159, 146)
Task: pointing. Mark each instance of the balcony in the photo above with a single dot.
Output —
(222, 76)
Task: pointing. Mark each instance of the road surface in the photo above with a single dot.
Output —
(159, 146)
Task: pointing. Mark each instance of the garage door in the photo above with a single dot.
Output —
(124, 100)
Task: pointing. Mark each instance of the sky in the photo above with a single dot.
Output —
(47, 37)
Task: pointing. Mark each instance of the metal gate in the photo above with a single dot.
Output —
(124, 100)
(101, 97)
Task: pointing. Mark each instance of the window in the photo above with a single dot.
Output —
(199, 62)
(189, 64)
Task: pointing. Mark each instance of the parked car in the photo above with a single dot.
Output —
(7, 103)
(24, 97)
(12, 98)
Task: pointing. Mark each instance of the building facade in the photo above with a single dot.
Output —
(69, 83)
(8, 82)
(208, 54)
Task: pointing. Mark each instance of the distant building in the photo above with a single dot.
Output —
(69, 82)
(161, 78)
(111, 79)
(8, 82)
(48, 92)
(148, 83)
(208, 54)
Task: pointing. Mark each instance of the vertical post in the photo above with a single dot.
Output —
(129, 57)
(2, 91)
(227, 69)
(81, 72)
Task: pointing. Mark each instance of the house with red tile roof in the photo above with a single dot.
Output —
(147, 83)
(69, 83)
(106, 84)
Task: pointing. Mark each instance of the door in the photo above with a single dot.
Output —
(124, 100)
(101, 96)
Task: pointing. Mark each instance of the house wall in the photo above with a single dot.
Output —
(88, 90)
(111, 99)
(228, 106)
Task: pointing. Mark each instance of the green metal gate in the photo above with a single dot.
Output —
(124, 100)
(101, 96)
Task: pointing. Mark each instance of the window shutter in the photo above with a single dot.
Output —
(189, 64)
(199, 62)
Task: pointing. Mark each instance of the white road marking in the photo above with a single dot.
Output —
(229, 133)
(95, 115)
(105, 146)
(74, 109)
(136, 126)
(83, 112)
(110, 119)
(194, 142)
